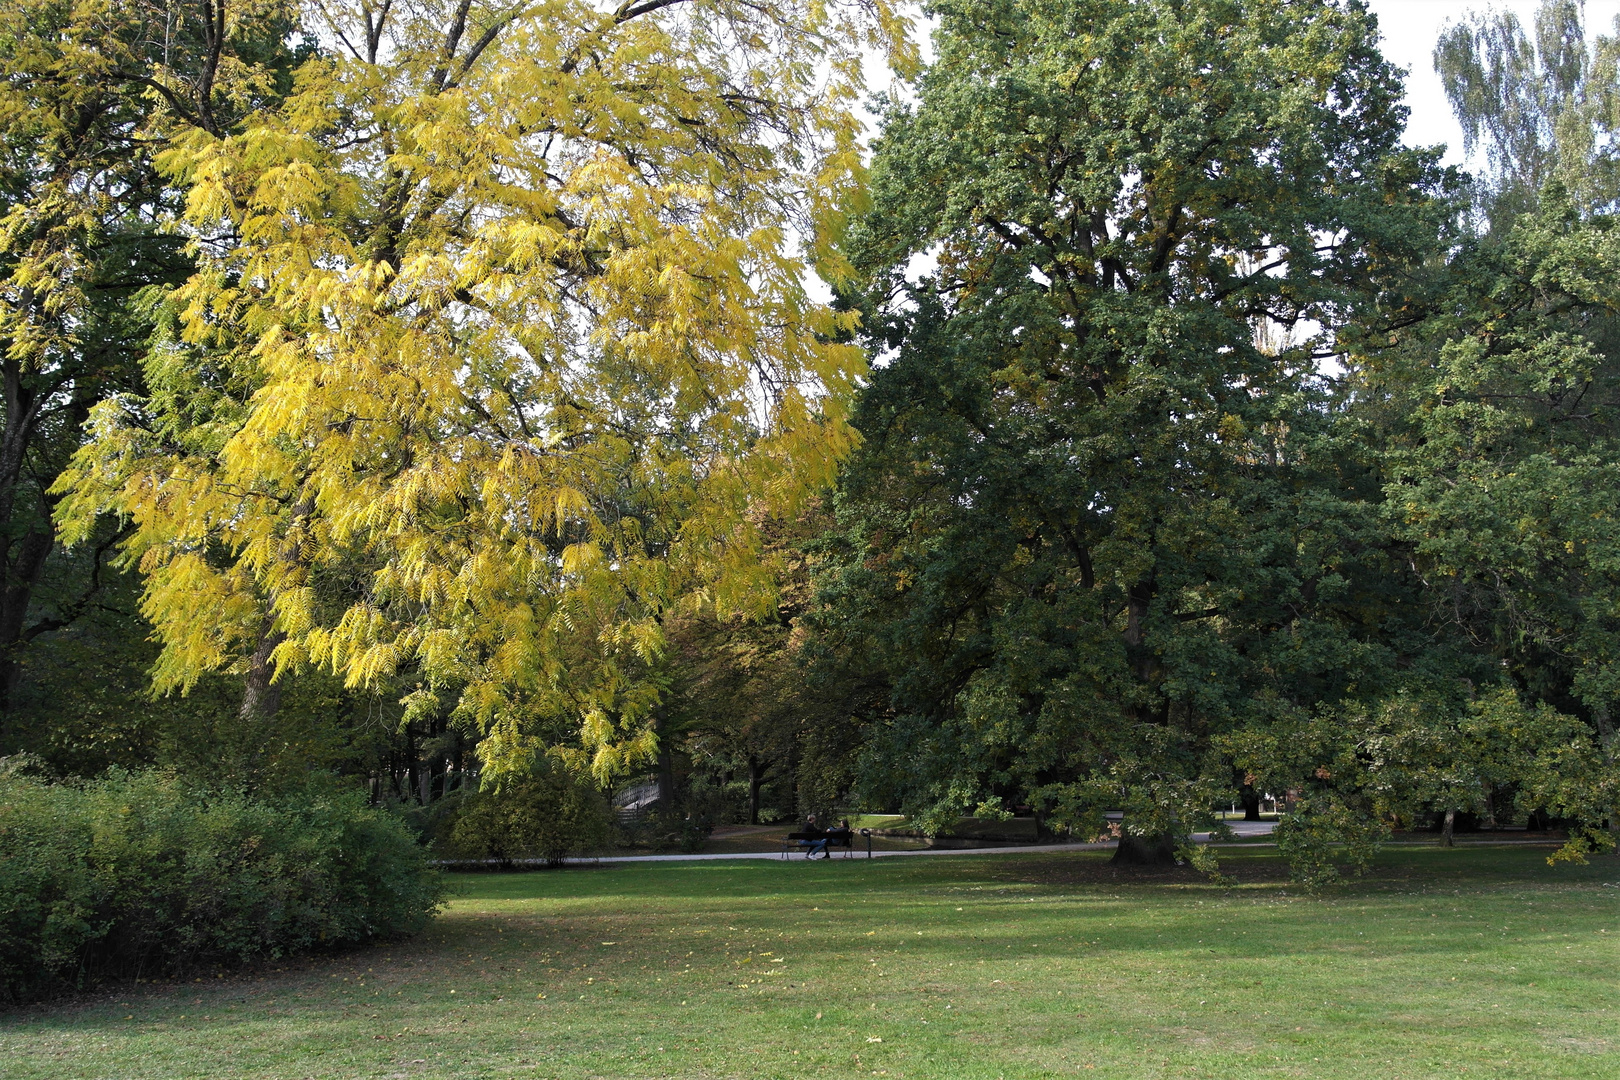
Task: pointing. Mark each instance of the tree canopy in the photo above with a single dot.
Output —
(1544, 105)
(498, 329)
(1149, 502)
(1098, 517)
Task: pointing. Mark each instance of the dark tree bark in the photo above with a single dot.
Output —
(25, 545)
(1447, 828)
(411, 763)
(666, 759)
(261, 694)
(22, 573)
(1250, 799)
(758, 771)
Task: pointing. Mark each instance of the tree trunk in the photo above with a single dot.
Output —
(22, 577)
(1157, 850)
(1250, 799)
(1138, 599)
(23, 553)
(666, 760)
(1446, 829)
(261, 694)
(411, 763)
(757, 772)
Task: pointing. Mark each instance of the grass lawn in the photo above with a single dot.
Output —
(1474, 962)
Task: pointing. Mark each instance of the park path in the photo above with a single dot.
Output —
(1244, 829)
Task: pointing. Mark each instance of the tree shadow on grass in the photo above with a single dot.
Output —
(1068, 869)
(1397, 868)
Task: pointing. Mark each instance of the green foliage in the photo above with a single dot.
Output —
(549, 814)
(1502, 466)
(766, 737)
(139, 873)
(1542, 104)
(684, 826)
(1104, 509)
(1114, 537)
(1357, 768)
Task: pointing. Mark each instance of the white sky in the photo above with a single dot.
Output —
(1410, 29)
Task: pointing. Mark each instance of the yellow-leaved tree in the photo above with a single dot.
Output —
(497, 351)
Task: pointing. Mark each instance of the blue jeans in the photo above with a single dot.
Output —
(814, 848)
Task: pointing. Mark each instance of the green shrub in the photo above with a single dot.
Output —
(682, 827)
(138, 874)
(547, 815)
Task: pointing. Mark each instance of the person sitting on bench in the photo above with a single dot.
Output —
(816, 839)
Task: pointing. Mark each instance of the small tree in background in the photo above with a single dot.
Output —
(549, 814)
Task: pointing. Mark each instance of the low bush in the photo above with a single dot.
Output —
(139, 874)
(682, 827)
(546, 815)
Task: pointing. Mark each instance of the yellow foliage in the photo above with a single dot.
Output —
(507, 353)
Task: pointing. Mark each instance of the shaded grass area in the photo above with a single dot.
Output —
(1478, 962)
(766, 839)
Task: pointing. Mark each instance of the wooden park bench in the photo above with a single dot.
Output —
(844, 838)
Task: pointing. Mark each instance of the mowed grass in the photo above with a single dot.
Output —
(1474, 962)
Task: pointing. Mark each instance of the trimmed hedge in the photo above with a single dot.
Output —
(141, 875)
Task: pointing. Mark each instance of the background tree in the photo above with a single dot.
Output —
(87, 93)
(548, 814)
(741, 703)
(1088, 524)
(1501, 461)
(1545, 106)
(768, 726)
